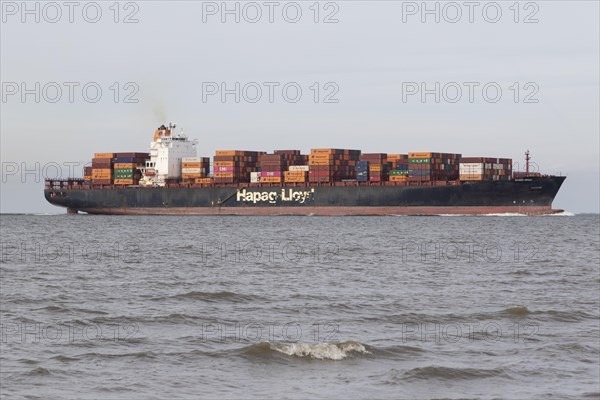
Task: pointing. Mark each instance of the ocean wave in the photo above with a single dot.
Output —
(517, 311)
(316, 351)
(448, 373)
(39, 371)
(110, 356)
(124, 319)
(212, 297)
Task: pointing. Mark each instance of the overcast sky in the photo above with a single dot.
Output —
(361, 81)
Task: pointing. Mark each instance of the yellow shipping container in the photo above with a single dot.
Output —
(104, 155)
(471, 177)
(270, 179)
(123, 182)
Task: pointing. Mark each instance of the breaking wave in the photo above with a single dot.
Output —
(317, 351)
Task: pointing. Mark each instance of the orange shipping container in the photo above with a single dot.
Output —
(321, 156)
(226, 153)
(320, 162)
(104, 155)
(322, 151)
(101, 173)
(293, 179)
(224, 163)
(398, 178)
(419, 155)
(295, 173)
(223, 174)
(125, 165)
(191, 165)
(204, 180)
(191, 176)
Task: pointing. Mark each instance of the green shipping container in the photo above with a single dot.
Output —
(124, 173)
(419, 160)
(397, 172)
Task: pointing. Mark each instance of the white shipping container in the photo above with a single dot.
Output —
(298, 168)
(191, 170)
(190, 159)
(471, 164)
(254, 177)
(471, 168)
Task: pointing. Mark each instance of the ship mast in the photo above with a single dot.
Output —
(527, 158)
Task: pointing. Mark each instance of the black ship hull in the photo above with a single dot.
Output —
(533, 196)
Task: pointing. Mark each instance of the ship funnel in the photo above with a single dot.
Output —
(162, 132)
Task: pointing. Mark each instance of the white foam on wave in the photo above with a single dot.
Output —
(320, 351)
(561, 214)
(483, 215)
(505, 215)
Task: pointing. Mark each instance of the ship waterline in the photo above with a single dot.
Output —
(530, 196)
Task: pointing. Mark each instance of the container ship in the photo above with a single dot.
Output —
(172, 180)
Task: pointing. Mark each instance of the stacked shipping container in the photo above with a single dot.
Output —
(273, 166)
(297, 173)
(102, 168)
(428, 166)
(485, 168)
(399, 165)
(378, 166)
(328, 165)
(127, 167)
(234, 166)
(87, 174)
(193, 168)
